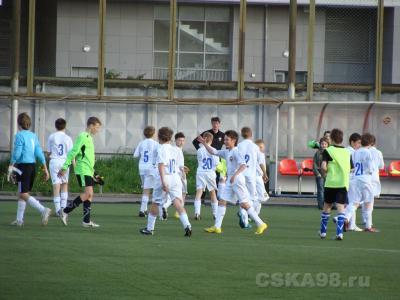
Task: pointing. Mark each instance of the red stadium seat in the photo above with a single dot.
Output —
(383, 173)
(394, 168)
(288, 167)
(307, 167)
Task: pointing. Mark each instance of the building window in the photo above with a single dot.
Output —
(203, 49)
(282, 76)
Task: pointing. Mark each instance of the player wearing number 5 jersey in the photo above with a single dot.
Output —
(363, 188)
(147, 153)
(206, 177)
(169, 183)
(58, 145)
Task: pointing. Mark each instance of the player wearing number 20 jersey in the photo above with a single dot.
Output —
(207, 163)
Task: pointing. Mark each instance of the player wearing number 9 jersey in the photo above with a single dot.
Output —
(58, 145)
(147, 152)
(206, 177)
(169, 183)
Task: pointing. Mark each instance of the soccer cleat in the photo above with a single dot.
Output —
(176, 215)
(339, 237)
(91, 224)
(372, 230)
(356, 229)
(45, 216)
(164, 213)
(241, 222)
(197, 217)
(261, 229)
(145, 231)
(213, 229)
(64, 217)
(188, 231)
(322, 235)
(17, 223)
(142, 214)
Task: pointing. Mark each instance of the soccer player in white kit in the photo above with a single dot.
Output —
(147, 153)
(364, 167)
(206, 177)
(262, 177)
(58, 146)
(250, 153)
(378, 164)
(169, 183)
(354, 145)
(235, 188)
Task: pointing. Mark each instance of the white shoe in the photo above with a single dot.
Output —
(356, 229)
(64, 217)
(17, 223)
(45, 216)
(90, 224)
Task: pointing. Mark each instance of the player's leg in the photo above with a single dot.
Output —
(144, 202)
(64, 195)
(179, 206)
(329, 198)
(25, 186)
(340, 217)
(261, 225)
(54, 168)
(368, 197)
(151, 218)
(57, 198)
(214, 203)
(217, 228)
(197, 203)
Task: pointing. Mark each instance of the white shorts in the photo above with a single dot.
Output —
(206, 180)
(55, 166)
(174, 186)
(262, 195)
(251, 186)
(361, 191)
(236, 191)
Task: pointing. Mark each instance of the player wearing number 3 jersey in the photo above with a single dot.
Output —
(58, 145)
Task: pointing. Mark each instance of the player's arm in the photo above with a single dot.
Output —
(381, 161)
(39, 155)
(242, 167)
(16, 154)
(161, 170)
(210, 149)
(261, 162)
(196, 143)
(325, 159)
(136, 154)
(72, 154)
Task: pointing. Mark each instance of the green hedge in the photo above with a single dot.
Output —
(120, 175)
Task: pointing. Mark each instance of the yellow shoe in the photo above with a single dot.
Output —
(213, 229)
(176, 215)
(261, 229)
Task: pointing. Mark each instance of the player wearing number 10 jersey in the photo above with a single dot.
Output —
(58, 145)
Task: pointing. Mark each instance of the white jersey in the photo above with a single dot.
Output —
(249, 150)
(206, 162)
(180, 163)
(233, 159)
(260, 161)
(147, 151)
(363, 165)
(58, 145)
(169, 156)
(378, 162)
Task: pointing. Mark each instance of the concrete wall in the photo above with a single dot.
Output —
(396, 47)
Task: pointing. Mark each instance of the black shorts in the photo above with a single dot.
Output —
(84, 180)
(335, 195)
(27, 178)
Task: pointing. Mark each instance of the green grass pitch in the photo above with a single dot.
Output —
(116, 262)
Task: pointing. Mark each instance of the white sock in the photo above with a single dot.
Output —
(185, 220)
(57, 203)
(21, 210)
(36, 204)
(253, 215)
(257, 206)
(220, 216)
(151, 222)
(214, 208)
(168, 202)
(353, 220)
(143, 205)
(367, 214)
(197, 206)
(245, 216)
(64, 199)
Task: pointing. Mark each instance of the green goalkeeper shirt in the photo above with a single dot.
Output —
(83, 152)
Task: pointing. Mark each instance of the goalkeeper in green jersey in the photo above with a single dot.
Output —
(83, 153)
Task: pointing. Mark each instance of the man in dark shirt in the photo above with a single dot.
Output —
(218, 136)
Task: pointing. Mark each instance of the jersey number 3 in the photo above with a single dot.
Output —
(60, 149)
